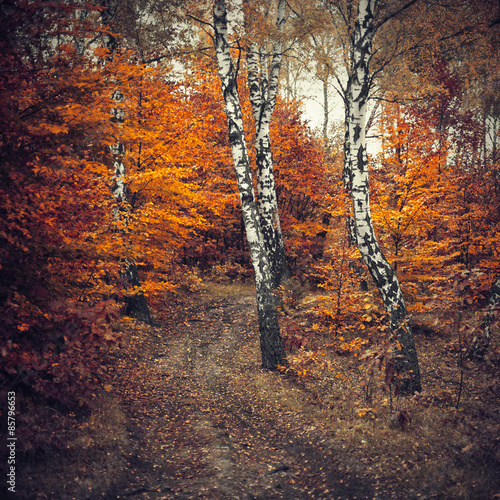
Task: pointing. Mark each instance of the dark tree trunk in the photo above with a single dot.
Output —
(481, 341)
(137, 305)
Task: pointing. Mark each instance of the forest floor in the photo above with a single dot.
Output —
(190, 414)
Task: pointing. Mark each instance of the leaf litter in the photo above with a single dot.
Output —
(189, 413)
(198, 427)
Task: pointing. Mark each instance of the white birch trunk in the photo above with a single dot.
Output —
(357, 183)
(263, 86)
(137, 305)
(272, 350)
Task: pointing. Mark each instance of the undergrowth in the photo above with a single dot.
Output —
(443, 442)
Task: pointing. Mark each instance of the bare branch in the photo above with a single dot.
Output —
(198, 20)
(393, 14)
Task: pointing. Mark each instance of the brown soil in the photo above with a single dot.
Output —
(201, 431)
(190, 414)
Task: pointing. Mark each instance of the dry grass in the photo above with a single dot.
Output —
(444, 452)
(226, 289)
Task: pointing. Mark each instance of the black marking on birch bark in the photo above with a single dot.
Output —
(247, 198)
(361, 158)
(254, 88)
(357, 132)
(272, 349)
(368, 20)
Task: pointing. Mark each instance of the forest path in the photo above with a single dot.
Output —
(204, 421)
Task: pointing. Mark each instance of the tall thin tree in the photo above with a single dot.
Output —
(356, 183)
(263, 85)
(137, 305)
(272, 350)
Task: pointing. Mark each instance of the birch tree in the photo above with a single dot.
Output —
(263, 85)
(272, 350)
(136, 301)
(357, 184)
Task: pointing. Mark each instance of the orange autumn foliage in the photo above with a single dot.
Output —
(434, 199)
(435, 195)
(300, 170)
(54, 187)
(62, 247)
(435, 207)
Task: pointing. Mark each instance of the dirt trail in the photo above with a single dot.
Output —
(199, 431)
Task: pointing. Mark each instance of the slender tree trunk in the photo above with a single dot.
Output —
(272, 350)
(263, 92)
(356, 182)
(481, 341)
(326, 111)
(137, 305)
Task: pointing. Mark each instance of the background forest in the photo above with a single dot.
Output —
(119, 197)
